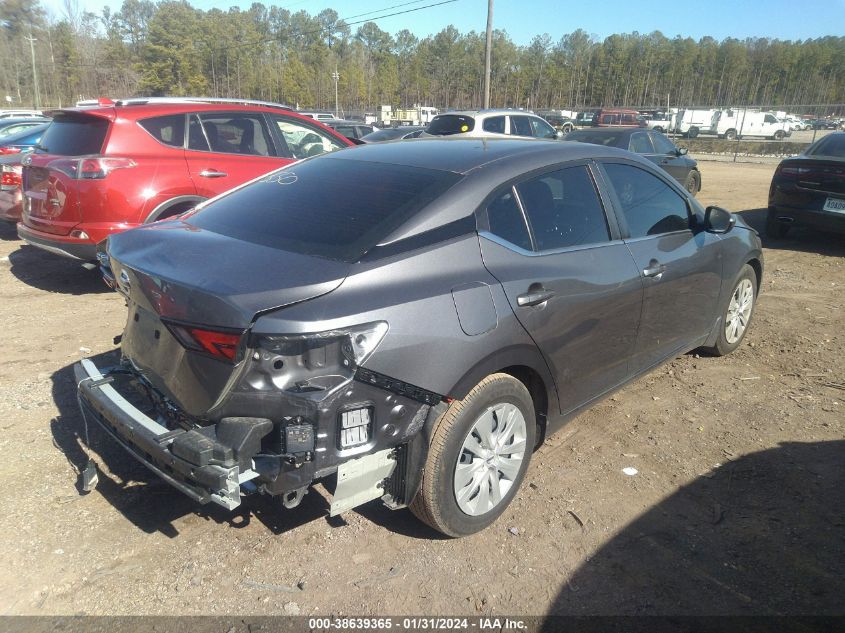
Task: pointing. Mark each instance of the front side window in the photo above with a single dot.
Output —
(662, 145)
(640, 143)
(541, 129)
(650, 206)
(302, 141)
(169, 130)
(506, 221)
(495, 124)
(563, 209)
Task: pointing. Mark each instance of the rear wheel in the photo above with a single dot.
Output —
(693, 182)
(779, 135)
(693, 132)
(730, 134)
(737, 312)
(480, 450)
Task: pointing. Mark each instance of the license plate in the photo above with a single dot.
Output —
(837, 205)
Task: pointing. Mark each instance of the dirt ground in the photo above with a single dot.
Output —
(737, 507)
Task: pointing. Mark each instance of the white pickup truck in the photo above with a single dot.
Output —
(659, 121)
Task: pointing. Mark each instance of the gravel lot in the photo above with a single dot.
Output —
(737, 507)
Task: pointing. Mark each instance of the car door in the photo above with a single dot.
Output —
(568, 277)
(225, 149)
(666, 156)
(680, 263)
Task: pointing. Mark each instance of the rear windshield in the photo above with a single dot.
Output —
(75, 135)
(446, 124)
(610, 139)
(329, 207)
(832, 145)
(384, 135)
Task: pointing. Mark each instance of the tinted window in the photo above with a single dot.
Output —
(196, 136)
(446, 124)
(521, 126)
(649, 205)
(169, 130)
(832, 145)
(610, 138)
(70, 135)
(640, 143)
(662, 145)
(237, 134)
(494, 124)
(506, 221)
(301, 141)
(541, 129)
(328, 207)
(564, 209)
(345, 130)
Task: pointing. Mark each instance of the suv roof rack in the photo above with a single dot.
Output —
(153, 100)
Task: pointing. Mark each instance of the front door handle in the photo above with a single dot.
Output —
(655, 269)
(211, 173)
(534, 298)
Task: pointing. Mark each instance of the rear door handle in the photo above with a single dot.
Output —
(534, 298)
(654, 269)
(211, 173)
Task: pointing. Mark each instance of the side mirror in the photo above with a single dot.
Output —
(718, 220)
(682, 151)
(559, 134)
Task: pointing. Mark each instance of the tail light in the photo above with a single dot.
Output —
(794, 170)
(9, 150)
(91, 168)
(222, 345)
(10, 179)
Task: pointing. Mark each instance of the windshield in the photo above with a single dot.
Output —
(328, 207)
(832, 145)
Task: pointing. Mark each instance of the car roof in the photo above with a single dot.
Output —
(488, 111)
(620, 130)
(142, 109)
(331, 122)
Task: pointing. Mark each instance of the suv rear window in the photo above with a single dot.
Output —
(70, 135)
(329, 207)
(446, 124)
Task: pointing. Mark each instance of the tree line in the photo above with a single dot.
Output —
(170, 48)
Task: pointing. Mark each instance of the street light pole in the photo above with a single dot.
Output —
(487, 51)
(32, 41)
(336, 77)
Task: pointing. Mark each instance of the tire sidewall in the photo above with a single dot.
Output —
(746, 273)
(498, 392)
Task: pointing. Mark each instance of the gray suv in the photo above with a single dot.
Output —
(407, 321)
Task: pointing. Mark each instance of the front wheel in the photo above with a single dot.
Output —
(693, 132)
(692, 183)
(737, 313)
(479, 452)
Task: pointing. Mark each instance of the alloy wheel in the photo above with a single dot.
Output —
(739, 311)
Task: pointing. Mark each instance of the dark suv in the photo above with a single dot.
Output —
(104, 169)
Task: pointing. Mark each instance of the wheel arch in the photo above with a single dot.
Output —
(170, 204)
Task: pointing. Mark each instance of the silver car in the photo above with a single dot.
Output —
(501, 123)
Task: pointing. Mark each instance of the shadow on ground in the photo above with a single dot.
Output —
(8, 231)
(154, 506)
(54, 273)
(762, 535)
(798, 239)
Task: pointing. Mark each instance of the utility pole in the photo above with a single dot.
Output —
(487, 51)
(336, 77)
(32, 41)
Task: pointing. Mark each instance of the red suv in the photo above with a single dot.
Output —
(103, 169)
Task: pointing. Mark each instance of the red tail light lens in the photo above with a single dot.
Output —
(9, 179)
(10, 150)
(93, 168)
(221, 345)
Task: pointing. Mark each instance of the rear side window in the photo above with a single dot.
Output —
(505, 219)
(328, 207)
(650, 206)
(169, 130)
(447, 124)
(70, 135)
(563, 209)
(495, 124)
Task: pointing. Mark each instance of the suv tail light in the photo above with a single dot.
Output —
(91, 168)
(220, 345)
(10, 179)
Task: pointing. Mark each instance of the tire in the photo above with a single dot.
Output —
(730, 134)
(779, 135)
(775, 228)
(658, 129)
(693, 182)
(567, 128)
(437, 502)
(693, 132)
(729, 338)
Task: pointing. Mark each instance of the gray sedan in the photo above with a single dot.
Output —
(409, 319)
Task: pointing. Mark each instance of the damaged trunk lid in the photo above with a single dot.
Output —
(192, 293)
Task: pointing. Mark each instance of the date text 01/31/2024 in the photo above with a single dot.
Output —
(415, 624)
